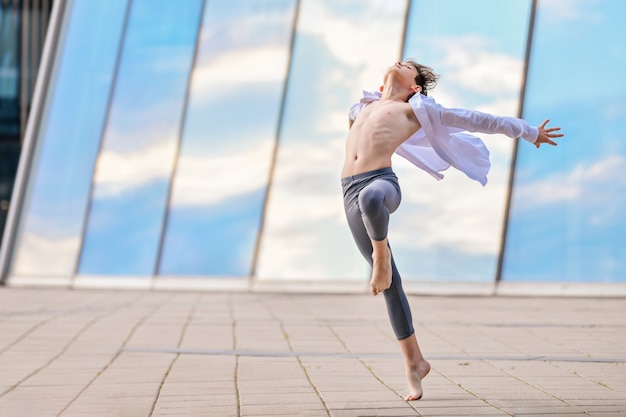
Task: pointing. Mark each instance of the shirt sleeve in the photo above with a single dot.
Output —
(355, 109)
(475, 121)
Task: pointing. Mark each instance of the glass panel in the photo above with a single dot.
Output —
(567, 217)
(135, 164)
(9, 71)
(230, 132)
(54, 211)
(451, 230)
(9, 103)
(340, 48)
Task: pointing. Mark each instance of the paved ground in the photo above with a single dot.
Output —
(130, 353)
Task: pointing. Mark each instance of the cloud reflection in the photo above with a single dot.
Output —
(118, 173)
(561, 11)
(57, 255)
(239, 67)
(232, 175)
(586, 186)
(336, 56)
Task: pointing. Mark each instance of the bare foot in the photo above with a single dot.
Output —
(414, 377)
(381, 271)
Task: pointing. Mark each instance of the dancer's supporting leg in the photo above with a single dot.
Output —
(416, 367)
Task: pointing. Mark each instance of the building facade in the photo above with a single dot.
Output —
(197, 142)
(23, 26)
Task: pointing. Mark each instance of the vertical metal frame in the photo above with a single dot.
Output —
(407, 15)
(522, 96)
(24, 78)
(29, 143)
(35, 33)
(181, 129)
(279, 124)
(45, 11)
(105, 120)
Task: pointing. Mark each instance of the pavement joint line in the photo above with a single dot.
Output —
(173, 361)
(472, 393)
(304, 369)
(539, 388)
(130, 334)
(370, 368)
(237, 389)
(27, 333)
(268, 353)
(233, 330)
(57, 355)
(70, 310)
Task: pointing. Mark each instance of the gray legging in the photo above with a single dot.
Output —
(368, 199)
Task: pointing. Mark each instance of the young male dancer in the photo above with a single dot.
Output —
(404, 120)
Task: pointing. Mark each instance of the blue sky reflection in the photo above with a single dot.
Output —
(49, 238)
(135, 164)
(451, 230)
(567, 217)
(338, 51)
(230, 131)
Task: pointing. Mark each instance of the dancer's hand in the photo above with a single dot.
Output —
(546, 135)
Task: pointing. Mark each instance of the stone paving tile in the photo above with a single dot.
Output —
(473, 411)
(142, 353)
(608, 414)
(301, 413)
(124, 406)
(208, 336)
(191, 410)
(282, 410)
(374, 412)
(543, 410)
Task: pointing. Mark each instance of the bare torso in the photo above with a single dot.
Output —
(379, 129)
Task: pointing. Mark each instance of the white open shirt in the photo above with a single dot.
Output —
(443, 140)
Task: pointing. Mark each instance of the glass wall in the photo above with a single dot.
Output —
(340, 48)
(229, 138)
(49, 238)
(132, 177)
(451, 230)
(206, 139)
(567, 215)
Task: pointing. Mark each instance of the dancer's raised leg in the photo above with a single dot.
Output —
(376, 201)
(381, 266)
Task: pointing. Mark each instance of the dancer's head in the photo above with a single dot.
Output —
(425, 78)
(416, 77)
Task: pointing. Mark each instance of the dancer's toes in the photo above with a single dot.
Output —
(373, 289)
(415, 387)
(413, 397)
